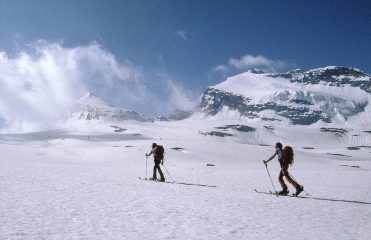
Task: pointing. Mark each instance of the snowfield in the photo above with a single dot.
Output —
(83, 184)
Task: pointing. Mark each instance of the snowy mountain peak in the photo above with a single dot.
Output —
(92, 100)
(90, 107)
(336, 95)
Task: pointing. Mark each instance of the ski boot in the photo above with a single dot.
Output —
(162, 180)
(299, 189)
(153, 178)
(284, 191)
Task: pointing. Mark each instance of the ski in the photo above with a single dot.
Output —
(147, 179)
(180, 183)
(314, 198)
(280, 195)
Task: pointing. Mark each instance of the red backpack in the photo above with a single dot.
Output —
(160, 151)
(288, 155)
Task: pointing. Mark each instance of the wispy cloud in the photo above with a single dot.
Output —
(180, 98)
(248, 62)
(182, 34)
(40, 83)
(220, 68)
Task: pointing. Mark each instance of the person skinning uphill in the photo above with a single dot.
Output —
(285, 158)
(158, 157)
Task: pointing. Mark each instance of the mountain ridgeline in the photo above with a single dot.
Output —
(90, 107)
(334, 76)
(331, 94)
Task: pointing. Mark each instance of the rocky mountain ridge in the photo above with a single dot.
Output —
(299, 97)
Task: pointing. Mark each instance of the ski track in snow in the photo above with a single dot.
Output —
(78, 189)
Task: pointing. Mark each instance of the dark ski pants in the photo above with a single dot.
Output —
(284, 172)
(157, 167)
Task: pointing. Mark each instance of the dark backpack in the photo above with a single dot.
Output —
(288, 155)
(160, 151)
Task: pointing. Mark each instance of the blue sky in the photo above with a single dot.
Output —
(185, 46)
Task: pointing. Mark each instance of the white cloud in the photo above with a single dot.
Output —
(183, 35)
(248, 62)
(180, 98)
(39, 84)
(220, 68)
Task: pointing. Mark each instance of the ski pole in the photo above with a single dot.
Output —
(266, 167)
(168, 172)
(146, 167)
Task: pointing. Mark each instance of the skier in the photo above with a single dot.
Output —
(284, 163)
(158, 156)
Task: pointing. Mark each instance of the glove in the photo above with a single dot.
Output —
(265, 162)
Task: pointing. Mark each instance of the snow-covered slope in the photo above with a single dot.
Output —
(91, 108)
(73, 185)
(337, 95)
